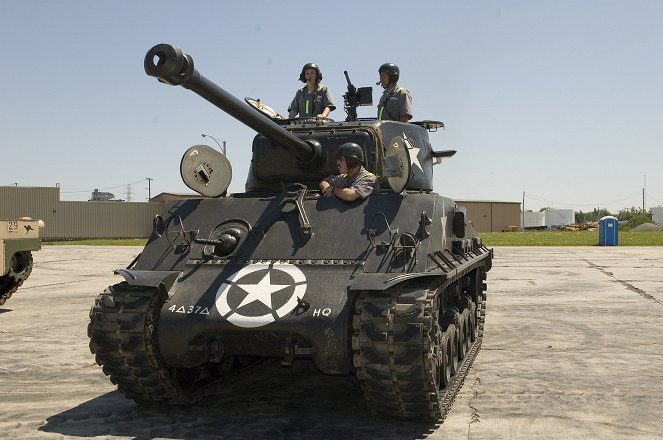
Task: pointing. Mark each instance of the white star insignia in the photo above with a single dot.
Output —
(443, 220)
(260, 292)
(413, 152)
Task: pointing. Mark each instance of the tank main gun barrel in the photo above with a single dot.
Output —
(171, 66)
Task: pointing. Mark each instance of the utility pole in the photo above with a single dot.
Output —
(130, 193)
(644, 189)
(522, 226)
(149, 187)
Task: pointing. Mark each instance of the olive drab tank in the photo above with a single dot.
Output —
(390, 289)
(18, 238)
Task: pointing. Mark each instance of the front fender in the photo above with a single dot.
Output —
(385, 281)
(161, 279)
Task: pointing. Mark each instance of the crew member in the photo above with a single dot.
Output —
(314, 99)
(396, 102)
(354, 181)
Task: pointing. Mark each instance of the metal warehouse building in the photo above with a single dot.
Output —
(77, 220)
(491, 216)
(114, 219)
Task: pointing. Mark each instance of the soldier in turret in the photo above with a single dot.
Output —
(314, 99)
(354, 181)
(396, 101)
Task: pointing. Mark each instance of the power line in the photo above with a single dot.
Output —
(649, 197)
(543, 199)
(124, 185)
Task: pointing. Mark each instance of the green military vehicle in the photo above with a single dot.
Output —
(18, 238)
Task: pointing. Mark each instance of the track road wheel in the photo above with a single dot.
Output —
(460, 342)
(452, 354)
(20, 267)
(469, 306)
(474, 331)
(447, 352)
(436, 355)
(468, 329)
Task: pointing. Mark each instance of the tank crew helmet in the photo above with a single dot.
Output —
(392, 71)
(318, 74)
(354, 155)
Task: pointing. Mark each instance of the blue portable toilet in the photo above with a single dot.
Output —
(608, 231)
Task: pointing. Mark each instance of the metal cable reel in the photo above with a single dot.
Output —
(206, 171)
(397, 164)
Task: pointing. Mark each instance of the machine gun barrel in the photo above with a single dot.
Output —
(351, 87)
(171, 66)
(350, 98)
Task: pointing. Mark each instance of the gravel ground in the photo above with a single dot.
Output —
(572, 349)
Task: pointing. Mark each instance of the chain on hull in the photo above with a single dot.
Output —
(401, 353)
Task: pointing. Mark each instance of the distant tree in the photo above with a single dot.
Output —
(636, 220)
(544, 209)
(633, 217)
(627, 214)
(591, 217)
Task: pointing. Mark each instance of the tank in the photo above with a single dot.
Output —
(391, 289)
(18, 238)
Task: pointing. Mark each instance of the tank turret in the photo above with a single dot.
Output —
(307, 147)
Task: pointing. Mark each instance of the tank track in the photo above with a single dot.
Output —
(406, 364)
(123, 333)
(10, 282)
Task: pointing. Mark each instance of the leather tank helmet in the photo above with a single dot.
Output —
(354, 155)
(318, 74)
(392, 71)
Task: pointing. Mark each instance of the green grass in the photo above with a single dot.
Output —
(569, 238)
(100, 242)
(529, 238)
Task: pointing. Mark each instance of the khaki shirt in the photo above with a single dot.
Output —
(309, 104)
(364, 182)
(395, 102)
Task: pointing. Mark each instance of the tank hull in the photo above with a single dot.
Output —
(355, 295)
(278, 295)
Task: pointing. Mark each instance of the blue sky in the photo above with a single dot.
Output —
(559, 99)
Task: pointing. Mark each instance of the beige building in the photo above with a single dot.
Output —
(78, 220)
(492, 216)
(113, 219)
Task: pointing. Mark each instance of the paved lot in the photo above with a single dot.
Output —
(572, 349)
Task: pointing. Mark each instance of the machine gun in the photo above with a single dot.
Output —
(355, 97)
